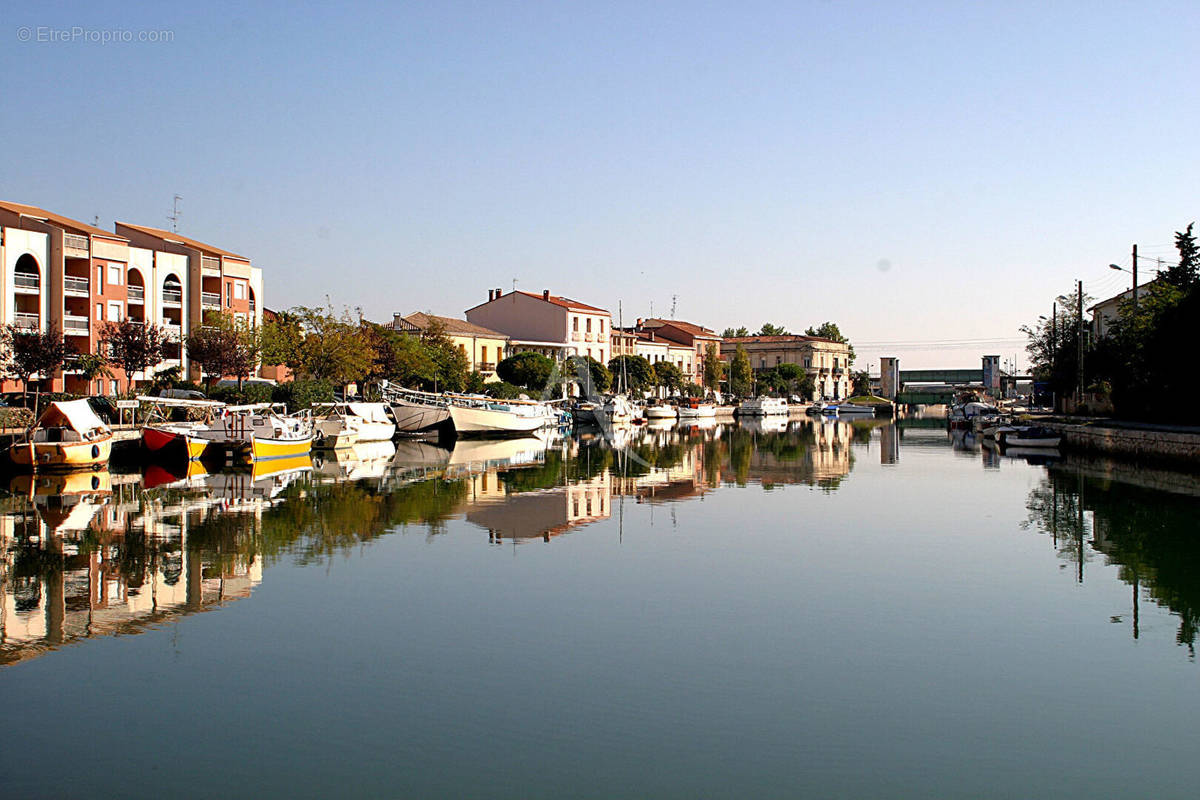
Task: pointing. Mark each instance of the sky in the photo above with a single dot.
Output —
(927, 175)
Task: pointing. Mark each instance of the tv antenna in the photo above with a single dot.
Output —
(174, 216)
(674, 300)
(96, 221)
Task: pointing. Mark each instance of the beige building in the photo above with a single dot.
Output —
(1107, 312)
(827, 361)
(687, 335)
(483, 347)
(555, 326)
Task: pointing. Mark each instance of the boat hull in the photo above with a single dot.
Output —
(165, 443)
(698, 413)
(263, 449)
(419, 418)
(484, 422)
(334, 435)
(62, 455)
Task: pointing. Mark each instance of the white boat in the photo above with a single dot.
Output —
(1026, 436)
(482, 416)
(660, 411)
(356, 462)
(855, 408)
(345, 424)
(695, 408)
(762, 407)
(617, 410)
(417, 412)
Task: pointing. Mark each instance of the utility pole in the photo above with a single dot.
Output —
(1053, 354)
(1079, 344)
(1135, 276)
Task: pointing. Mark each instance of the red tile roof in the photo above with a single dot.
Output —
(686, 327)
(420, 321)
(565, 302)
(59, 220)
(171, 236)
(776, 339)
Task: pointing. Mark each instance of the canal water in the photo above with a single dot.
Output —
(813, 608)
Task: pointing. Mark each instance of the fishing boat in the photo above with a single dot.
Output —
(484, 416)
(762, 407)
(617, 410)
(822, 409)
(66, 501)
(68, 435)
(280, 436)
(855, 408)
(696, 408)
(417, 412)
(167, 440)
(346, 424)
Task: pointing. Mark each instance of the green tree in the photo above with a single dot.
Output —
(861, 382)
(34, 352)
(331, 347)
(530, 371)
(795, 380)
(90, 366)
(212, 349)
(768, 329)
(830, 330)
(283, 341)
(714, 368)
(590, 375)
(1186, 273)
(133, 346)
(740, 375)
(668, 376)
(1053, 347)
(635, 370)
(731, 333)
(450, 363)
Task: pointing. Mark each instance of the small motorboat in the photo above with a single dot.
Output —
(68, 435)
(660, 411)
(695, 408)
(855, 408)
(347, 424)
(762, 407)
(1027, 436)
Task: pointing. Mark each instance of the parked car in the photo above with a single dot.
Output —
(182, 394)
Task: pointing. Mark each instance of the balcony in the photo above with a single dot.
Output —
(210, 299)
(75, 325)
(172, 297)
(135, 294)
(75, 245)
(210, 266)
(576, 336)
(27, 321)
(27, 282)
(79, 287)
(589, 337)
(253, 306)
(486, 366)
(173, 329)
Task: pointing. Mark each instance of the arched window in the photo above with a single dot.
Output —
(26, 274)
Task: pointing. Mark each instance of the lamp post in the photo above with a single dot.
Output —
(1119, 268)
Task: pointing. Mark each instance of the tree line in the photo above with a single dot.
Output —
(1138, 364)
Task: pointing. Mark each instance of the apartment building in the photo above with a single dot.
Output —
(695, 338)
(826, 360)
(555, 326)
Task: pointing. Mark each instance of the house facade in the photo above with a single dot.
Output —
(555, 326)
(693, 337)
(827, 361)
(484, 348)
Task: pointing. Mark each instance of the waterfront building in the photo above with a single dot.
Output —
(1107, 312)
(483, 347)
(555, 326)
(689, 335)
(827, 361)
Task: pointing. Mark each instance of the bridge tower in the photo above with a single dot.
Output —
(991, 376)
(889, 377)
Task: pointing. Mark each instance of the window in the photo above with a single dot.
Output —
(114, 275)
(229, 294)
(99, 312)
(762, 362)
(483, 353)
(589, 324)
(835, 362)
(239, 290)
(778, 360)
(602, 326)
(99, 280)
(575, 324)
(114, 312)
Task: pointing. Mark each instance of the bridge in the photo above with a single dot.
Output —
(938, 386)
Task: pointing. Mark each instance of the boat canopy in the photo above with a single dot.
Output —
(75, 414)
(371, 412)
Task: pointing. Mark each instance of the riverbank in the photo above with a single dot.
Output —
(1177, 445)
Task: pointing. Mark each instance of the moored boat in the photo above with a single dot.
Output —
(855, 408)
(346, 424)
(659, 411)
(695, 408)
(417, 412)
(762, 407)
(67, 435)
(485, 416)
(1027, 436)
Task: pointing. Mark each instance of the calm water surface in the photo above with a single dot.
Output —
(816, 608)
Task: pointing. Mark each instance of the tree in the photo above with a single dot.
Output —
(740, 374)
(861, 382)
(714, 368)
(830, 330)
(529, 370)
(731, 333)
(283, 341)
(592, 377)
(90, 366)
(634, 370)
(795, 380)
(133, 346)
(34, 352)
(668, 376)
(212, 348)
(1186, 273)
(450, 363)
(768, 329)
(330, 347)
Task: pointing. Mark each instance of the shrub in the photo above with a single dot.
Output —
(302, 393)
(249, 393)
(502, 390)
(15, 417)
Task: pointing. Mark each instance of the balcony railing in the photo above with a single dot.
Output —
(210, 299)
(26, 320)
(210, 263)
(74, 324)
(135, 294)
(487, 366)
(27, 280)
(173, 296)
(77, 244)
(253, 306)
(75, 285)
(576, 336)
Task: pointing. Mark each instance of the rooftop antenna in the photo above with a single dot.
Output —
(174, 216)
(96, 221)
(514, 284)
(674, 300)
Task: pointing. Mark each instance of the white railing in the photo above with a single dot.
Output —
(76, 285)
(253, 305)
(74, 241)
(210, 299)
(74, 324)
(136, 294)
(26, 320)
(210, 262)
(172, 295)
(27, 280)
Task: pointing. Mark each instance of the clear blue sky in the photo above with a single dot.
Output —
(764, 162)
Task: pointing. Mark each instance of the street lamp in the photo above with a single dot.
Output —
(1133, 272)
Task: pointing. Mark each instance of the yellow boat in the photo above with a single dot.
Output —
(68, 435)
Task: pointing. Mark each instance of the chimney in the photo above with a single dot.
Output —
(491, 295)
(396, 320)
(545, 294)
(498, 292)
(639, 322)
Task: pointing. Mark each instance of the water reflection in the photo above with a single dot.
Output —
(99, 553)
